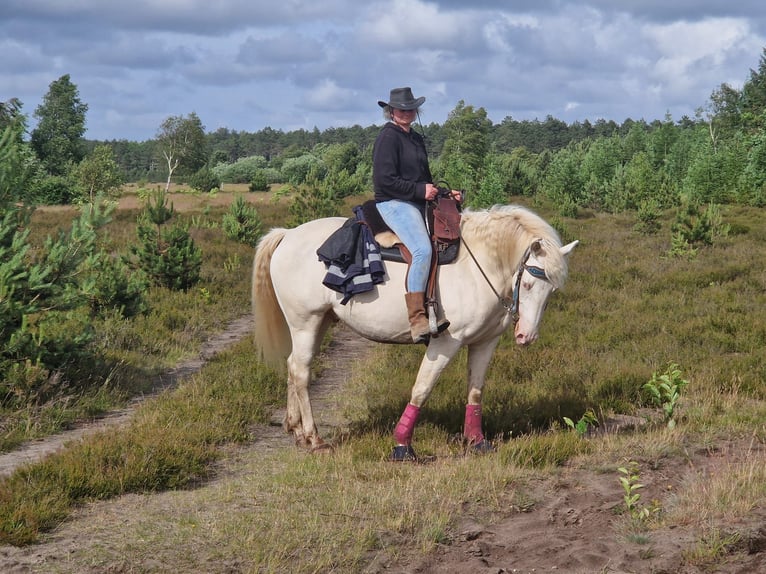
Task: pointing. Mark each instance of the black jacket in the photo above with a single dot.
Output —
(352, 258)
(400, 165)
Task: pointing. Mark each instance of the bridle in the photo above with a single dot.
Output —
(511, 306)
(534, 271)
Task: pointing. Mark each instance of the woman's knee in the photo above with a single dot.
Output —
(421, 253)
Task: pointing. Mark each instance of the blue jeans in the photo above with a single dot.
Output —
(406, 220)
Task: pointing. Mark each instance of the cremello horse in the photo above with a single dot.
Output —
(509, 264)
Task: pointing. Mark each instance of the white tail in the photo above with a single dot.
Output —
(271, 335)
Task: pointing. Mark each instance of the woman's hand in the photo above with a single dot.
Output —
(432, 191)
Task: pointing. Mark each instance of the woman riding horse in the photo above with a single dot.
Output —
(403, 184)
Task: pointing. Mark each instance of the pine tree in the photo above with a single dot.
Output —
(57, 139)
(465, 147)
(168, 255)
(754, 96)
(242, 222)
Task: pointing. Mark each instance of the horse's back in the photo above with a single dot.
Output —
(296, 270)
(299, 244)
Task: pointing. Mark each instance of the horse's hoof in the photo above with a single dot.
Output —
(403, 453)
(482, 447)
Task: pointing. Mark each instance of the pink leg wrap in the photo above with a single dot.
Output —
(472, 428)
(406, 425)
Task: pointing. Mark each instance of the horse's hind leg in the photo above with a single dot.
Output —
(299, 418)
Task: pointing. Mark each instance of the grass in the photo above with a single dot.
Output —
(170, 443)
(627, 312)
(346, 509)
(723, 494)
(712, 547)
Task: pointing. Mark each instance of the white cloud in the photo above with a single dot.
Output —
(401, 26)
(692, 55)
(682, 44)
(498, 31)
(327, 95)
(247, 64)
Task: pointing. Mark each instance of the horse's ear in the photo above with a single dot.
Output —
(567, 249)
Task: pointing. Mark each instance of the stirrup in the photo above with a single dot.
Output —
(425, 339)
(433, 324)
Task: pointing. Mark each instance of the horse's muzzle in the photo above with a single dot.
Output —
(523, 338)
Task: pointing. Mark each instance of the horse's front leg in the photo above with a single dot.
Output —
(438, 355)
(479, 357)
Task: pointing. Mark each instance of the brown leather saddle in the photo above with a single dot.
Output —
(444, 227)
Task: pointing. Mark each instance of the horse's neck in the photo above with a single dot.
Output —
(496, 259)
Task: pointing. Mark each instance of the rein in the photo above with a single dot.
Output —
(510, 305)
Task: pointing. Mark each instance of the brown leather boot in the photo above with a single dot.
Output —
(417, 314)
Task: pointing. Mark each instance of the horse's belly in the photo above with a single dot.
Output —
(377, 315)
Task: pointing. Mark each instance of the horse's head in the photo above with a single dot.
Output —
(541, 271)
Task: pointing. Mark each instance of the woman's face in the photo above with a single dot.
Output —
(403, 117)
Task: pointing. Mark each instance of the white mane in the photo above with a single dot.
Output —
(509, 230)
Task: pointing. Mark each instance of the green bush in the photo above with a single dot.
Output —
(648, 218)
(204, 180)
(242, 222)
(44, 322)
(318, 198)
(53, 190)
(241, 171)
(273, 175)
(491, 187)
(696, 227)
(112, 285)
(169, 256)
(259, 181)
(296, 170)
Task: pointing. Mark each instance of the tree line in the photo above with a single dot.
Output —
(717, 156)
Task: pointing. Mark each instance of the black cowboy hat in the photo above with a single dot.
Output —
(402, 99)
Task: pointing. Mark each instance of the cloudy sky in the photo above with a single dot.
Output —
(288, 64)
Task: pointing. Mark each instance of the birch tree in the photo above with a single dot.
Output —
(181, 142)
